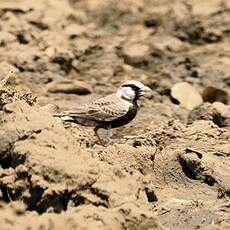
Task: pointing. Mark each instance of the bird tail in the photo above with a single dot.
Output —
(64, 116)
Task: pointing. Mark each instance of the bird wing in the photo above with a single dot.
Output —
(104, 109)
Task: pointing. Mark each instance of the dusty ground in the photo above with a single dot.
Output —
(169, 169)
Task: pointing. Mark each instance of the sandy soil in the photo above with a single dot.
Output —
(168, 169)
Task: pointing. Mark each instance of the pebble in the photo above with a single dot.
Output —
(186, 95)
(69, 87)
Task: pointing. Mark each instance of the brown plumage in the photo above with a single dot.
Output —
(112, 111)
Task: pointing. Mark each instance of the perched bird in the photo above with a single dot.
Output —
(109, 112)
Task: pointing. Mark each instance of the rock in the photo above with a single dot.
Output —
(152, 22)
(18, 207)
(68, 86)
(135, 53)
(200, 165)
(50, 51)
(211, 94)
(17, 7)
(50, 108)
(222, 108)
(218, 114)
(186, 95)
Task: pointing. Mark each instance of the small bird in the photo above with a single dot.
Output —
(109, 112)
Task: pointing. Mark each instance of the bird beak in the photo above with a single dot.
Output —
(145, 90)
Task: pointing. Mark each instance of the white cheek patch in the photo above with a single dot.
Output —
(127, 93)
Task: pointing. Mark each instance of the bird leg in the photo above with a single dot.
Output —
(97, 135)
(110, 133)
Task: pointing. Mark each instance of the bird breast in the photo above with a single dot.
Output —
(126, 118)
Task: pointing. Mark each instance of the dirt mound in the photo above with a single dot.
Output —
(168, 169)
(42, 165)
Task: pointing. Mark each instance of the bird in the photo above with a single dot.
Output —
(112, 111)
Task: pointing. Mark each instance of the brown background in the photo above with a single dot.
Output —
(167, 169)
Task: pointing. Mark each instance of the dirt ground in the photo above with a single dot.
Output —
(168, 169)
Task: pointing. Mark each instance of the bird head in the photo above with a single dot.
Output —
(132, 90)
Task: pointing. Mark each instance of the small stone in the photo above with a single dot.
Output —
(68, 86)
(151, 22)
(16, 7)
(186, 95)
(18, 207)
(211, 94)
(50, 108)
(134, 53)
(222, 108)
(50, 51)
(208, 111)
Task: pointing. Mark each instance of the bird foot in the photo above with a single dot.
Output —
(110, 133)
(100, 141)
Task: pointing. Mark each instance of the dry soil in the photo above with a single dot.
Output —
(168, 169)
